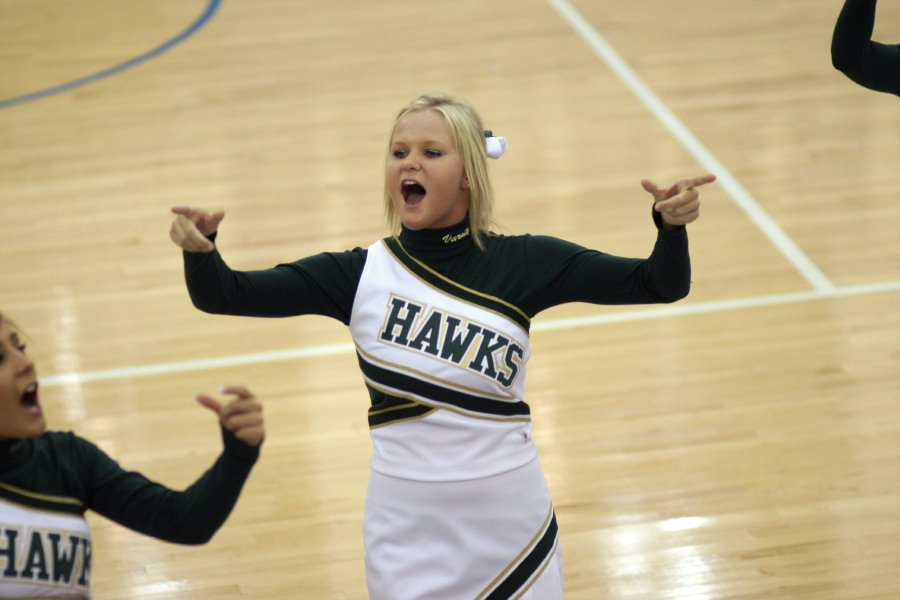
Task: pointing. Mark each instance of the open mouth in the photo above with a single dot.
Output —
(412, 191)
(29, 397)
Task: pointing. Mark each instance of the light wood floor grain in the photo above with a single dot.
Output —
(741, 444)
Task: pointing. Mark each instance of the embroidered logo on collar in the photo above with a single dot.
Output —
(449, 239)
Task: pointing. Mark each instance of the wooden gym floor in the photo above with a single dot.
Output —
(741, 444)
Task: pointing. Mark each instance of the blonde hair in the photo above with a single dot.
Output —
(467, 133)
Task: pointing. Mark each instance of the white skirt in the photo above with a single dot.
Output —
(492, 538)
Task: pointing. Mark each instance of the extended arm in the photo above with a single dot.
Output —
(573, 273)
(191, 516)
(566, 272)
(868, 63)
(323, 284)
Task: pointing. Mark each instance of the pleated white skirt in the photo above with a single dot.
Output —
(492, 538)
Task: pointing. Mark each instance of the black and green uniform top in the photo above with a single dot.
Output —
(530, 272)
(868, 63)
(49, 482)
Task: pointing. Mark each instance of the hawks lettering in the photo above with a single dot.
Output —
(45, 556)
(446, 336)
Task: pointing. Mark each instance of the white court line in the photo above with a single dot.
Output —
(689, 141)
(197, 365)
(668, 310)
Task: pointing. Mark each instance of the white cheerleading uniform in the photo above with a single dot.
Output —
(457, 504)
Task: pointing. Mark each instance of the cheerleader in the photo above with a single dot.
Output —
(457, 505)
(49, 479)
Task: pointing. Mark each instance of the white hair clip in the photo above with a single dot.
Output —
(495, 146)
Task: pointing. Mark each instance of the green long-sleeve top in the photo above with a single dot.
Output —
(49, 482)
(868, 63)
(531, 272)
(66, 466)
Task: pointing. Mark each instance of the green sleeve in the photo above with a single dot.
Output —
(322, 284)
(191, 516)
(566, 272)
(536, 272)
(869, 63)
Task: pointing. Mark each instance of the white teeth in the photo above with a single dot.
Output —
(31, 388)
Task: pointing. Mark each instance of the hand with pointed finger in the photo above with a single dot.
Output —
(242, 416)
(192, 226)
(679, 204)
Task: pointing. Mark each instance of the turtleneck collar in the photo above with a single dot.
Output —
(448, 241)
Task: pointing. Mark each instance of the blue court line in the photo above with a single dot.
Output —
(57, 89)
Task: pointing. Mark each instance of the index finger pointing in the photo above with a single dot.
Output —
(182, 210)
(209, 402)
(692, 182)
